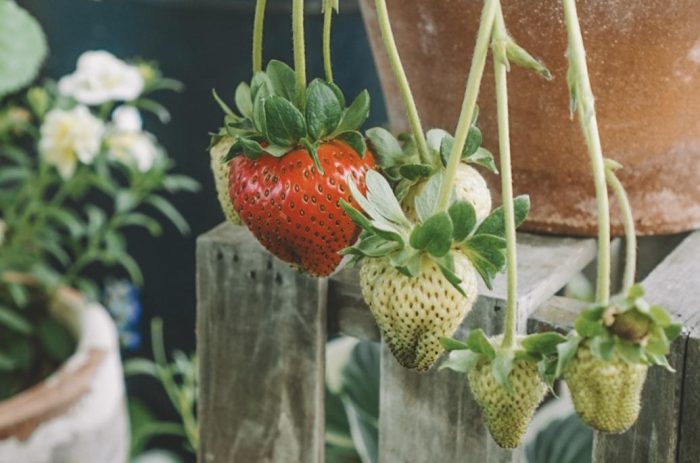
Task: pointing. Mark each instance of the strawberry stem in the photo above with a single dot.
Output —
(327, 23)
(299, 49)
(258, 24)
(628, 222)
(583, 101)
(500, 60)
(469, 103)
(401, 79)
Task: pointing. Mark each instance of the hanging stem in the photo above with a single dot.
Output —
(327, 23)
(258, 24)
(501, 75)
(628, 222)
(401, 79)
(582, 96)
(299, 49)
(469, 103)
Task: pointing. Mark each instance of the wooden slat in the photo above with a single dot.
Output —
(261, 332)
(430, 414)
(545, 265)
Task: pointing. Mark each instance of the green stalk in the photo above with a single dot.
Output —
(501, 75)
(583, 98)
(327, 23)
(258, 25)
(628, 222)
(299, 49)
(401, 79)
(469, 103)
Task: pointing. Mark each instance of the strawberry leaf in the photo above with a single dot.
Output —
(312, 148)
(542, 343)
(259, 117)
(603, 347)
(483, 158)
(285, 123)
(434, 235)
(427, 198)
(354, 140)
(261, 86)
(386, 148)
(407, 261)
(494, 224)
(463, 218)
(470, 147)
(222, 104)
(501, 368)
(672, 331)
(566, 352)
(630, 352)
(244, 100)
(380, 194)
(282, 79)
(355, 115)
(250, 148)
(486, 254)
(589, 323)
(355, 215)
(323, 110)
(461, 361)
(338, 93)
(446, 265)
(479, 343)
(373, 246)
(416, 171)
(450, 344)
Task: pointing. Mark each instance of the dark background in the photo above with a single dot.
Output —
(205, 44)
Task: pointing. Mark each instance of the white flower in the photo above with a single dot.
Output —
(137, 149)
(127, 119)
(70, 136)
(101, 77)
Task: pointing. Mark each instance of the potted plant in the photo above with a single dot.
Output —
(644, 73)
(76, 167)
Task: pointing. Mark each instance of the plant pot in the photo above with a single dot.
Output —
(644, 59)
(79, 412)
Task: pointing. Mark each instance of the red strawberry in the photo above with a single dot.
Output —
(293, 210)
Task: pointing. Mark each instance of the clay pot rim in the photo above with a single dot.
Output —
(21, 414)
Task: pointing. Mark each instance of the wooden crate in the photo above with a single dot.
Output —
(262, 330)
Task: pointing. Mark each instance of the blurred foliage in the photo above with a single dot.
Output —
(565, 440)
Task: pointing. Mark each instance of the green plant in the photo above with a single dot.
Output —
(77, 170)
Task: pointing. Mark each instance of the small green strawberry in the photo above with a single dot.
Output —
(218, 152)
(605, 360)
(507, 383)
(413, 313)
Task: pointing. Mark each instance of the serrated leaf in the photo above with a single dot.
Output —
(387, 150)
(486, 254)
(494, 224)
(354, 140)
(282, 79)
(285, 123)
(471, 145)
(323, 110)
(380, 194)
(460, 361)
(463, 218)
(375, 246)
(483, 158)
(434, 138)
(356, 114)
(22, 47)
(338, 93)
(244, 100)
(434, 235)
(427, 198)
(416, 171)
(478, 342)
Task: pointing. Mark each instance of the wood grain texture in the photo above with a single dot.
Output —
(261, 332)
(433, 414)
(667, 427)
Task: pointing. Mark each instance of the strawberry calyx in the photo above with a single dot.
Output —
(436, 234)
(629, 328)
(539, 349)
(403, 164)
(274, 119)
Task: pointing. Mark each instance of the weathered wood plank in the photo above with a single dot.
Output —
(427, 415)
(545, 265)
(667, 427)
(261, 332)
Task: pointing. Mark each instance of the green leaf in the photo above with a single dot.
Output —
(222, 104)
(373, 246)
(155, 108)
(463, 218)
(501, 368)
(426, 200)
(312, 148)
(630, 352)
(13, 174)
(261, 86)
(566, 352)
(354, 140)
(387, 150)
(471, 145)
(139, 366)
(285, 123)
(478, 342)
(407, 261)
(543, 343)
(323, 110)
(142, 220)
(170, 212)
(434, 235)
(259, 116)
(177, 183)
(461, 361)
(494, 224)
(483, 158)
(244, 100)
(589, 323)
(355, 115)
(486, 254)
(96, 218)
(282, 79)
(673, 331)
(660, 315)
(15, 321)
(380, 194)
(603, 347)
(446, 265)
(22, 47)
(356, 216)
(416, 171)
(450, 344)
(57, 341)
(251, 148)
(338, 93)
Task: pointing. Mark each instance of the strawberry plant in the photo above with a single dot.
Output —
(289, 151)
(606, 357)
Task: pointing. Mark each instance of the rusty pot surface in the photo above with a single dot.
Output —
(644, 58)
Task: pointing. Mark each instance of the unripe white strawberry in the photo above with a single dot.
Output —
(507, 412)
(413, 313)
(469, 186)
(606, 394)
(220, 169)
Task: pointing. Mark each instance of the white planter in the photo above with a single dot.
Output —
(78, 414)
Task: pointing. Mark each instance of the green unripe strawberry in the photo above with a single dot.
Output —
(220, 169)
(606, 393)
(507, 412)
(413, 313)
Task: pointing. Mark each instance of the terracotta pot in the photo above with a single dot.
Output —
(78, 413)
(644, 58)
